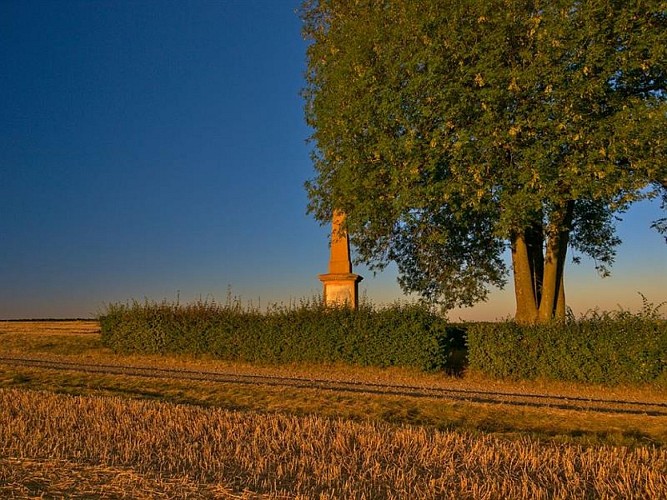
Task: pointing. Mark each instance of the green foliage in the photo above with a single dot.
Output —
(605, 348)
(407, 335)
(443, 130)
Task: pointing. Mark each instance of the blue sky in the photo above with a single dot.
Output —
(157, 148)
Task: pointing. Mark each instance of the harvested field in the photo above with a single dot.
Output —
(57, 478)
(301, 457)
(46, 327)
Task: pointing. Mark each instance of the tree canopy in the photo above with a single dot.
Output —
(448, 131)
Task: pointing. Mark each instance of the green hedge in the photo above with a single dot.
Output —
(608, 349)
(408, 335)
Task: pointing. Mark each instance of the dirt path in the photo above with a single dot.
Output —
(600, 405)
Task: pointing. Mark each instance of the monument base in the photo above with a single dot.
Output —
(341, 289)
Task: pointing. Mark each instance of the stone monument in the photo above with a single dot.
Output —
(341, 285)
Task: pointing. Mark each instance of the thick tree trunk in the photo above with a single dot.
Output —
(551, 281)
(538, 271)
(561, 308)
(524, 291)
(554, 263)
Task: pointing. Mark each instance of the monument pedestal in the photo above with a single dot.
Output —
(341, 285)
(341, 289)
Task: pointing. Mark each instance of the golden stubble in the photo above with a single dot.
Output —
(315, 457)
(68, 327)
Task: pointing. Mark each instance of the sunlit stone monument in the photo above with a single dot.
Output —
(341, 285)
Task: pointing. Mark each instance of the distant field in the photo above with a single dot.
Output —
(504, 449)
(50, 327)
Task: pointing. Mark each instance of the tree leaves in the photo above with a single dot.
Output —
(442, 129)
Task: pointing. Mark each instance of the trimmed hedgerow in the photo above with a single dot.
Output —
(408, 335)
(608, 348)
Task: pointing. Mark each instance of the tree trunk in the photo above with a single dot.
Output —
(524, 291)
(561, 308)
(551, 281)
(538, 272)
(554, 263)
(535, 243)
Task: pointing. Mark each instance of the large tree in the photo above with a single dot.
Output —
(448, 131)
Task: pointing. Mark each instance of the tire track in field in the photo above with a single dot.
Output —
(448, 394)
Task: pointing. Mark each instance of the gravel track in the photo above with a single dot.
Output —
(599, 405)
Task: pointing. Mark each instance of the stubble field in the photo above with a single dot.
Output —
(307, 457)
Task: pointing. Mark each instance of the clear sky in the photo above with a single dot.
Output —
(155, 149)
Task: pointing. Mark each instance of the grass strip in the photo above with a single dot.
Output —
(581, 427)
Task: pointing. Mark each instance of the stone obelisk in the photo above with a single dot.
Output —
(341, 285)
